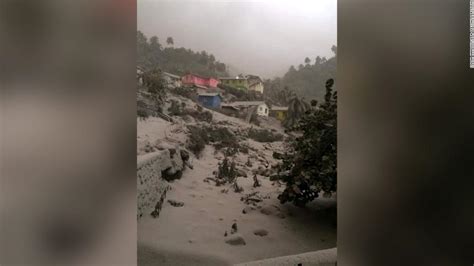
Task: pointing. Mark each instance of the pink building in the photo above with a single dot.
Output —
(192, 79)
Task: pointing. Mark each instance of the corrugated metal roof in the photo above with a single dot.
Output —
(247, 103)
(171, 75)
(279, 108)
(232, 78)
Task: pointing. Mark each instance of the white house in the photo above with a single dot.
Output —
(255, 83)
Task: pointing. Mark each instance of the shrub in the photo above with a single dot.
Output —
(187, 92)
(205, 116)
(197, 141)
(312, 166)
(264, 135)
(176, 108)
(254, 119)
(227, 171)
(142, 114)
(153, 82)
(221, 138)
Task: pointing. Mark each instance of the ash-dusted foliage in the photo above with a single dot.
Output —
(189, 93)
(198, 138)
(227, 171)
(143, 114)
(264, 135)
(151, 93)
(151, 53)
(312, 166)
(179, 109)
(305, 80)
(202, 115)
(153, 82)
(221, 138)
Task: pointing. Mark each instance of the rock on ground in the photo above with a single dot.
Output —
(175, 203)
(260, 232)
(236, 240)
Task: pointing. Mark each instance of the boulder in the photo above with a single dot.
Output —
(267, 210)
(241, 172)
(233, 228)
(236, 240)
(247, 210)
(184, 155)
(175, 203)
(171, 174)
(172, 152)
(274, 177)
(260, 232)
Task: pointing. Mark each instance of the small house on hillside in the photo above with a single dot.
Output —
(279, 112)
(210, 100)
(255, 83)
(261, 107)
(197, 80)
(171, 80)
(247, 83)
(240, 83)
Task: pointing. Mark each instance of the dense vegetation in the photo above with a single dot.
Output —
(239, 94)
(302, 79)
(264, 135)
(221, 138)
(311, 167)
(152, 84)
(152, 54)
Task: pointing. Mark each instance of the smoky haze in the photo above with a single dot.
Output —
(263, 38)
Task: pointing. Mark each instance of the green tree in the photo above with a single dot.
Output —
(318, 60)
(154, 51)
(334, 50)
(153, 82)
(292, 69)
(170, 41)
(308, 81)
(312, 165)
(150, 55)
(307, 61)
(142, 50)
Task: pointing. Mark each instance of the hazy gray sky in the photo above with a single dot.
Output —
(256, 37)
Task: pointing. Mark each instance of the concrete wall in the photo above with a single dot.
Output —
(153, 169)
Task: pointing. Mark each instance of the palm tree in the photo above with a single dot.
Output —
(318, 60)
(296, 109)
